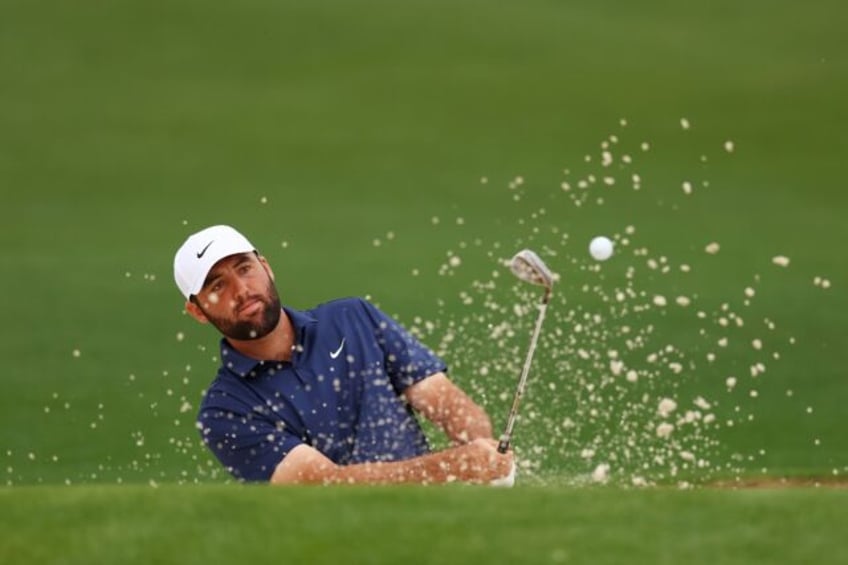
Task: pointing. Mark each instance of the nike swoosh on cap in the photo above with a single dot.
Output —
(202, 251)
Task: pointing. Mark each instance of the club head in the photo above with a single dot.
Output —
(527, 266)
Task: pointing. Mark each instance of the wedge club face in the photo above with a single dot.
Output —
(527, 266)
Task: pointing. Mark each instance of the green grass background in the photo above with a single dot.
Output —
(126, 125)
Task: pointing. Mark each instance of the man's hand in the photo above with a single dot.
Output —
(475, 462)
(479, 461)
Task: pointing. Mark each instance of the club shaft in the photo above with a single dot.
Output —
(503, 444)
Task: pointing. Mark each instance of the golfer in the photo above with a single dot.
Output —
(327, 395)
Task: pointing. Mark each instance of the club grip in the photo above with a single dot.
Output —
(503, 445)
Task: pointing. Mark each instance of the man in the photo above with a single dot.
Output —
(326, 395)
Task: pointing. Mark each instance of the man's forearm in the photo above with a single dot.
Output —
(449, 408)
(475, 462)
(464, 422)
(424, 469)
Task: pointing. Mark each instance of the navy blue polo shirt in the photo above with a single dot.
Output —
(339, 394)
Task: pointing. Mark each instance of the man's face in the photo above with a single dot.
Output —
(239, 298)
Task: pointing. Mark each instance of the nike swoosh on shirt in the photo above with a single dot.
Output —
(202, 251)
(337, 352)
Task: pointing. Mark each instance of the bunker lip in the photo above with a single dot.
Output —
(788, 482)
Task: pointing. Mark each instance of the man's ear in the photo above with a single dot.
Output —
(267, 267)
(195, 312)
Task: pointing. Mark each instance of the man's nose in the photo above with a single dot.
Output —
(240, 288)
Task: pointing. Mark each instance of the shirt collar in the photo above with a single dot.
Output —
(242, 365)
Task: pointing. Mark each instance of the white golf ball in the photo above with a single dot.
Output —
(600, 248)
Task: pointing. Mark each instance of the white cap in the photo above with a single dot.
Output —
(196, 257)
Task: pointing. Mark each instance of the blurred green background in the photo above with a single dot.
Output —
(318, 128)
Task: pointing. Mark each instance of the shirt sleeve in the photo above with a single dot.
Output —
(407, 359)
(247, 444)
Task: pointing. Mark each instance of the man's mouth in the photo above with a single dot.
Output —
(251, 306)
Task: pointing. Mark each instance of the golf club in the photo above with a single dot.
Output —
(527, 266)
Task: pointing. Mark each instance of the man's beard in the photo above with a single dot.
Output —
(244, 330)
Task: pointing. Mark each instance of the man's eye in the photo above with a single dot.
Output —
(217, 287)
